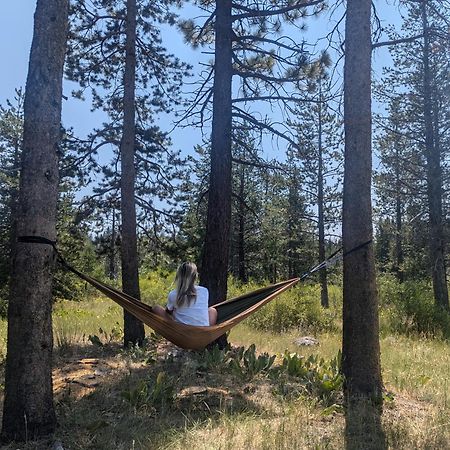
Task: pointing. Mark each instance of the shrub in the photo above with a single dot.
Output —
(155, 286)
(409, 308)
(297, 308)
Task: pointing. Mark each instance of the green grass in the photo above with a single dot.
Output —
(235, 413)
(73, 322)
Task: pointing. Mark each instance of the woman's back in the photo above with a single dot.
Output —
(195, 313)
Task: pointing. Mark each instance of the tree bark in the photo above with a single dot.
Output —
(28, 406)
(216, 247)
(242, 270)
(133, 329)
(112, 249)
(399, 258)
(434, 179)
(321, 217)
(360, 347)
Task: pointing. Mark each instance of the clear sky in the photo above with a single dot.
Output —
(16, 27)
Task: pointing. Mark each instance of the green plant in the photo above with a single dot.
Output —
(145, 353)
(318, 377)
(115, 334)
(247, 364)
(297, 308)
(213, 358)
(409, 308)
(158, 392)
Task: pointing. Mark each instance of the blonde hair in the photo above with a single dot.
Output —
(185, 284)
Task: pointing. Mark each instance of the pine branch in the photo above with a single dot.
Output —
(260, 165)
(247, 117)
(397, 41)
(279, 97)
(273, 12)
(277, 42)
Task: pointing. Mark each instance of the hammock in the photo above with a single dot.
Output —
(229, 312)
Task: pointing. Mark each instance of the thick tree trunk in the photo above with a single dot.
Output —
(320, 206)
(216, 247)
(360, 348)
(133, 328)
(28, 405)
(434, 180)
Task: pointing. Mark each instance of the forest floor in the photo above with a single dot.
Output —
(159, 397)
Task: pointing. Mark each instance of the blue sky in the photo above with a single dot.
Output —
(16, 27)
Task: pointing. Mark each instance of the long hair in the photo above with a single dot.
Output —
(185, 284)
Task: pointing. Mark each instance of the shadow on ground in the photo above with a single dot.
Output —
(363, 426)
(141, 398)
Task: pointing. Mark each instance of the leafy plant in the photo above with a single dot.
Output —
(158, 392)
(213, 358)
(115, 334)
(247, 364)
(144, 353)
(318, 377)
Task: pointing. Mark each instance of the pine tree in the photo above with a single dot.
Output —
(11, 129)
(360, 347)
(244, 48)
(28, 405)
(116, 51)
(319, 136)
(418, 85)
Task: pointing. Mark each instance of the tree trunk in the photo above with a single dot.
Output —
(133, 328)
(434, 180)
(399, 258)
(28, 405)
(242, 271)
(361, 347)
(216, 247)
(112, 249)
(320, 206)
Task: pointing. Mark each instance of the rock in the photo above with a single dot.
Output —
(57, 446)
(306, 340)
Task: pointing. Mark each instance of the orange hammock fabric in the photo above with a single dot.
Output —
(229, 313)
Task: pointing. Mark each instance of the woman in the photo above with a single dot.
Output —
(188, 303)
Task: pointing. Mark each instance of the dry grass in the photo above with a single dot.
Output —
(217, 410)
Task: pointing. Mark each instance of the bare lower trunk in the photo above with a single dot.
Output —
(216, 248)
(133, 328)
(28, 406)
(360, 348)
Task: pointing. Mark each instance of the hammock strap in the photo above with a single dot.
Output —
(333, 259)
